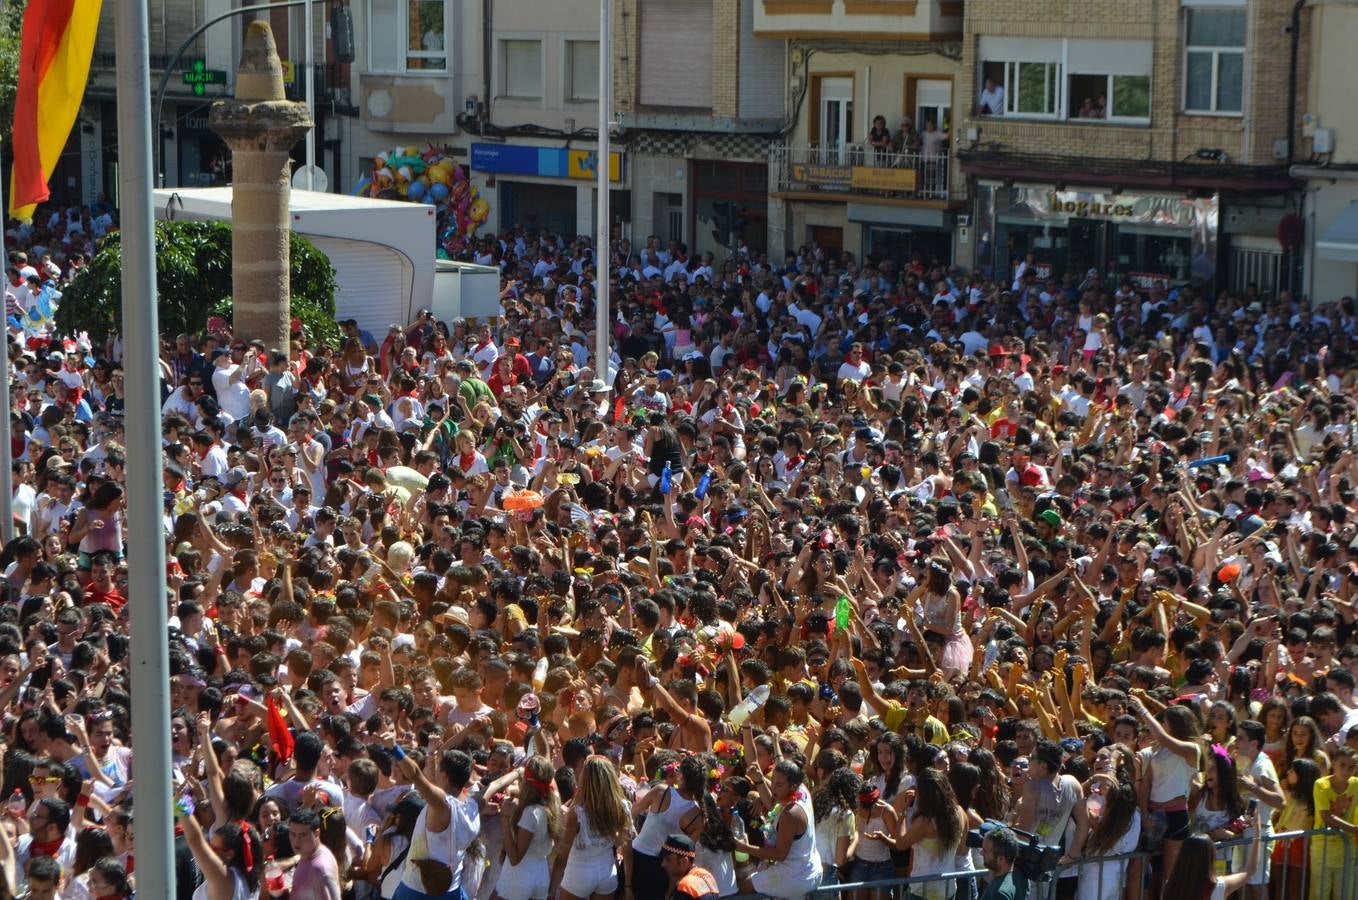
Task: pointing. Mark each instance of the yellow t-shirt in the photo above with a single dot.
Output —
(1331, 849)
(931, 729)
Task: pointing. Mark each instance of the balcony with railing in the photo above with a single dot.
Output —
(856, 171)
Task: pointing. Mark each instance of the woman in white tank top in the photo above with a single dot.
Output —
(795, 869)
(598, 824)
(668, 810)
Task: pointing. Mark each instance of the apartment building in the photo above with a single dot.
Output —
(699, 97)
(865, 164)
(1136, 139)
(1329, 167)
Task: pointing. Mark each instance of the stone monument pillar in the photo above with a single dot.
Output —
(260, 126)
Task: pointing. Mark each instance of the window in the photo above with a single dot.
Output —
(521, 69)
(407, 36)
(1109, 97)
(582, 70)
(1067, 78)
(1214, 65)
(836, 112)
(1031, 88)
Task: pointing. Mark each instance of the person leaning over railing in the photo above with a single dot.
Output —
(1194, 874)
(1334, 804)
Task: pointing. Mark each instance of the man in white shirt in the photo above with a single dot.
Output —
(855, 368)
(992, 99)
(228, 381)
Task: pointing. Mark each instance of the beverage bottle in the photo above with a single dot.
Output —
(665, 480)
(273, 877)
(745, 708)
(17, 804)
(703, 483)
(843, 610)
(540, 674)
(738, 831)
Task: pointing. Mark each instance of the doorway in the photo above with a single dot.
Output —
(836, 119)
(829, 238)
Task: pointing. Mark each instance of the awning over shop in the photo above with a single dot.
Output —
(1340, 240)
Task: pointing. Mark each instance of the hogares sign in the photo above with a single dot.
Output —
(1089, 209)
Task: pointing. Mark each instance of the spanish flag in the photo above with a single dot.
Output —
(54, 63)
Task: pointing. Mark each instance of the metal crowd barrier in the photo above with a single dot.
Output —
(1319, 877)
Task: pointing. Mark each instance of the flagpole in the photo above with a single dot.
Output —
(6, 453)
(149, 656)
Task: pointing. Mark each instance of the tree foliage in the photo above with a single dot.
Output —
(11, 25)
(193, 279)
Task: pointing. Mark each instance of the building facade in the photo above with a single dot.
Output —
(865, 164)
(1329, 168)
(1145, 140)
(699, 98)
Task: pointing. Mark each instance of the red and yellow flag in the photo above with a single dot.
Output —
(54, 64)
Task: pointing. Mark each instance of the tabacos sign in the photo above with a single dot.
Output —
(1084, 209)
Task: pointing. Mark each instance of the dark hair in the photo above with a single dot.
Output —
(892, 779)
(1304, 791)
(1118, 812)
(1005, 842)
(935, 800)
(1192, 876)
(114, 873)
(234, 837)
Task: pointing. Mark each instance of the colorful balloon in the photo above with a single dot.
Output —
(416, 189)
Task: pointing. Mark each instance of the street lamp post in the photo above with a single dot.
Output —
(149, 656)
(603, 231)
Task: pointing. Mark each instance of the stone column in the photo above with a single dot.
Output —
(260, 126)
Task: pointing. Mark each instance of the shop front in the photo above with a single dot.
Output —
(1151, 238)
(202, 156)
(546, 188)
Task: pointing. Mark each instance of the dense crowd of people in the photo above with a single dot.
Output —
(839, 572)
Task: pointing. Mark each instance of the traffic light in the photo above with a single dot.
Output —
(342, 34)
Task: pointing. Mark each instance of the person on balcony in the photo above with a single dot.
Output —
(933, 149)
(879, 139)
(906, 139)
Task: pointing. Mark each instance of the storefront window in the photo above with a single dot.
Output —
(1150, 237)
(929, 245)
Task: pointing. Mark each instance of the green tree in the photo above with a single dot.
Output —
(193, 279)
(11, 25)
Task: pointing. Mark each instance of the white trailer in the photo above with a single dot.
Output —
(466, 290)
(382, 250)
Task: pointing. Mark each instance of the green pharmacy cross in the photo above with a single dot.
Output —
(200, 76)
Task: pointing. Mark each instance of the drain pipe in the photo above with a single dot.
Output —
(1294, 31)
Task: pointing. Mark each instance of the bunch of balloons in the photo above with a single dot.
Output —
(432, 178)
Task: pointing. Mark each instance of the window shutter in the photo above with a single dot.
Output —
(676, 53)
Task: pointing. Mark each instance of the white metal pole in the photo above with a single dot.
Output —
(6, 457)
(602, 321)
(308, 86)
(149, 657)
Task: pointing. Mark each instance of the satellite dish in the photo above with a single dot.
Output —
(319, 181)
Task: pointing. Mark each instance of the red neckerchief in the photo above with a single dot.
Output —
(465, 460)
(46, 848)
